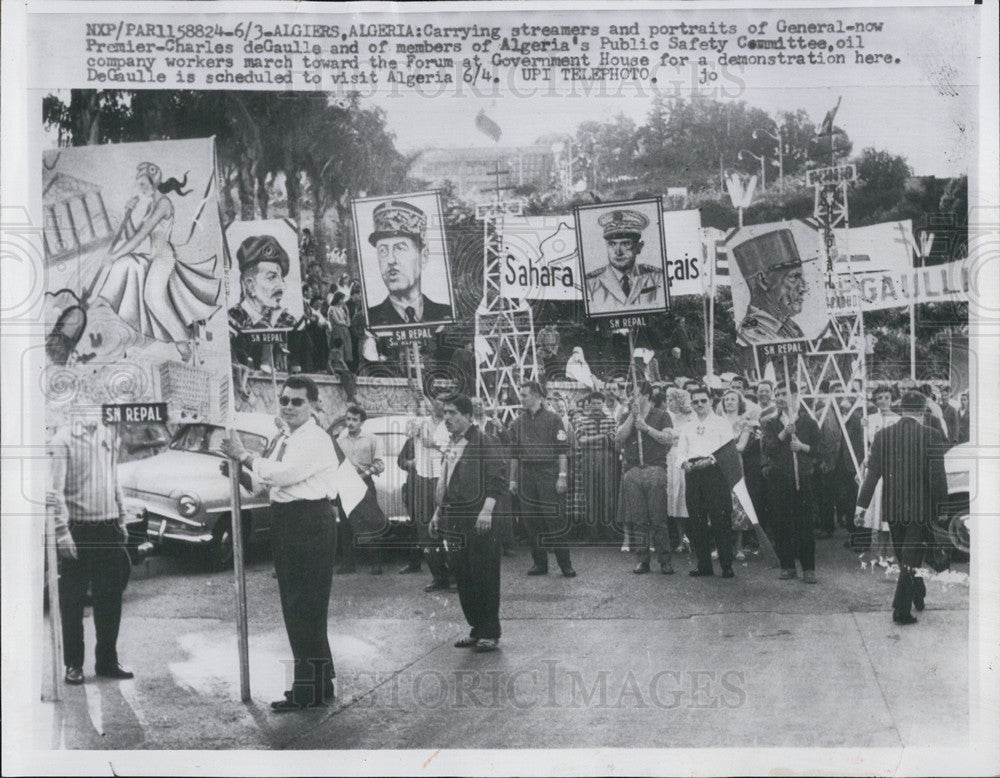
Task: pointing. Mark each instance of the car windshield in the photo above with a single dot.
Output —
(207, 439)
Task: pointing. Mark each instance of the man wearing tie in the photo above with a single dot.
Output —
(624, 283)
(299, 470)
(400, 241)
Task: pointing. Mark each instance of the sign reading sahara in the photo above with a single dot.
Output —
(540, 256)
(135, 299)
(831, 175)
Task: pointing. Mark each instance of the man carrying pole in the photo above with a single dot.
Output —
(788, 441)
(299, 469)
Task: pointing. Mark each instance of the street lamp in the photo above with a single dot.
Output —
(776, 136)
(759, 158)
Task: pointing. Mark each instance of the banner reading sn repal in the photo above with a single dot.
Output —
(134, 282)
(540, 256)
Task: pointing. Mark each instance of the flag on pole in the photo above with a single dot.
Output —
(729, 462)
(826, 128)
(487, 126)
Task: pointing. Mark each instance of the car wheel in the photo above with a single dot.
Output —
(220, 550)
(958, 532)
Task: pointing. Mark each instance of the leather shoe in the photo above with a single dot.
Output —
(809, 576)
(667, 569)
(437, 586)
(642, 567)
(696, 573)
(786, 575)
(728, 573)
(466, 642)
(74, 676)
(536, 570)
(904, 618)
(117, 672)
(486, 644)
(569, 572)
(410, 569)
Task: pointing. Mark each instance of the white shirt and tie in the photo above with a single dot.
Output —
(301, 465)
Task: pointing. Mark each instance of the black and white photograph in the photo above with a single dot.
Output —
(500, 388)
(405, 276)
(623, 257)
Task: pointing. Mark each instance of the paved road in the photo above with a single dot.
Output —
(607, 659)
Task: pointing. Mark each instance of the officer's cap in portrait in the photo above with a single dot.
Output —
(623, 224)
(397, 219)
(261, 248)
(770, 251)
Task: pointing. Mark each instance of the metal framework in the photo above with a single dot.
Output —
(838, 354)
(505, 331)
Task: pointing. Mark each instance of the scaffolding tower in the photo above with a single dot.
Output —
(505, 331)
(838, 354)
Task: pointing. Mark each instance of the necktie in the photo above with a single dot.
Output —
(442, 485)
(626, 285)
(411, 315)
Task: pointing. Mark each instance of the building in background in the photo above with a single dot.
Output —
(470, 169)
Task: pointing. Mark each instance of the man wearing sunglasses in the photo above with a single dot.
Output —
(709, 499)
(299, 468)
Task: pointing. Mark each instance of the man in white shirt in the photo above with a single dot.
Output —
(707, 493)
(299, 468)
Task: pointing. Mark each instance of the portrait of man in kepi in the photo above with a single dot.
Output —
(401, 248)
(772, 269)
(624, 282)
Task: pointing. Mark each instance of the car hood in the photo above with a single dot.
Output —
(173, 471)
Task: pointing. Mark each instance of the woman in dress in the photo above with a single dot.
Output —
(145, 283)
(681, 412)
(734, 411)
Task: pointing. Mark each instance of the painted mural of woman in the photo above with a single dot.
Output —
(147, 285)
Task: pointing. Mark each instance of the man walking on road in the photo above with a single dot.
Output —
(90, 538)
(644, 485)
(909, 458)
(469, 491)
(299, 469)
(709, 498)
(538, 445)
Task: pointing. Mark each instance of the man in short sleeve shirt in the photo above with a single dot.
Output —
(538, 474)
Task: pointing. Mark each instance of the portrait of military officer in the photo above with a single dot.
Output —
(624, 283)
(263, 266)
(400, 241)
(772, 270)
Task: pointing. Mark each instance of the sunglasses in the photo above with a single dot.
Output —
(699, 402)
(297, 402)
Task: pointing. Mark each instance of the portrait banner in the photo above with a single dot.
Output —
(402, 253)
(778, 283)
(623, 259)
(135, 299)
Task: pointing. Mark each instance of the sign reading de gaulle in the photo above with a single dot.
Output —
(116, 413)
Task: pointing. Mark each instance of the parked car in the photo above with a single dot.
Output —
(951, 529)
(186, 499)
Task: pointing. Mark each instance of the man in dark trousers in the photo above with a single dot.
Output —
(539, 458)
(789, 440)
(469, 490)
(644, 485)
(909, 458)
(707, 493)
(299, 470)
(90, 537)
